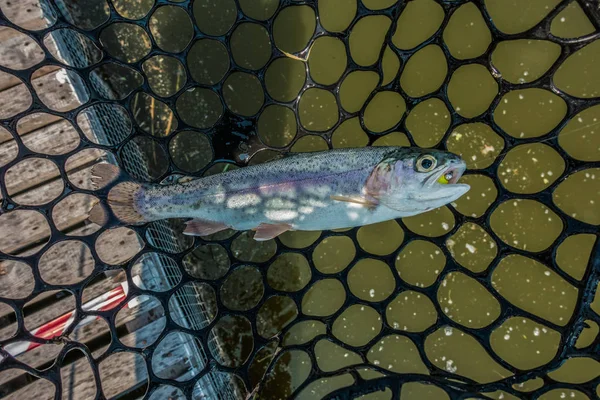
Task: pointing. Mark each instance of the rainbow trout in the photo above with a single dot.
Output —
(326, 190)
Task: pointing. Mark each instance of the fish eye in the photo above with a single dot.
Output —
(426, 163)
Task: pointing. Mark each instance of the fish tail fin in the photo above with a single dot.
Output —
(122, 201)
(104, 174)
(121, 198)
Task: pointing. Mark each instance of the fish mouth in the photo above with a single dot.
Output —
(444, 186)
(448, 175)
(454, 172)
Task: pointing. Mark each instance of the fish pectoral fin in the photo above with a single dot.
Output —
(270, 231)
(369, 203)
(200, 227)
(379, 182)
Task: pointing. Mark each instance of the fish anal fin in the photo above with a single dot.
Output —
(369, 203)
(270, 231)
(200, 227)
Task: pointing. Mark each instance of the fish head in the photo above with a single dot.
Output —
(416, 180)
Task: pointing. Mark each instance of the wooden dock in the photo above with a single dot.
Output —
(36, 181)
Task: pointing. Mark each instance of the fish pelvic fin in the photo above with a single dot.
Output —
(122, 202)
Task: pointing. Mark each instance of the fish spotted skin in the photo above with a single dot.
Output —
(333, 189)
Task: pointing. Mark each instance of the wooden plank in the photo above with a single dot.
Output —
(145, 320)
(26, 13)
(122, 372)
(52, 86)
(83, 178)
(6, 314)
(133, 318)
(72, 211)
(29, 15)
(40, 389)
(16, 281)
(8, 150)
(119, 373)
(18, 51)
(40, 195)
(5, 136)
(56, 93)
(8, 81)
(45, 352)
(42, 133)
(47, 314)
(92, 331)
(20, 282)
(29, 173)
(141, 336)
(78, 381)
(117, 245)
(129, 373)
(126, 316)
(30, 226)
(66, 263)
(84, 230)
(57, 138)
(55, 89)
(36, 171)
(35, 121)
(61, 306)
(15, 99)
(5, 309)
(111, 242)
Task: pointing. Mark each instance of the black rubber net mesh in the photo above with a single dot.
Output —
(489, 297)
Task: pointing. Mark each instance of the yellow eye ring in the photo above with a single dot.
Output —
(426, 163)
